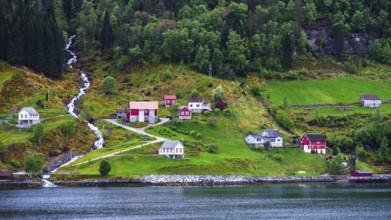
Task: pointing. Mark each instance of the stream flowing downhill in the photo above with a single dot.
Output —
(71, 110)
(86, 83)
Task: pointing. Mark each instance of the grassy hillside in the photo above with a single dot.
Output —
(332, 91)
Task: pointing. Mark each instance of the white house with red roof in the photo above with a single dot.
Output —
(143, 111)
(169, 100)
(198, 104)
(370, 101)
(184, 113)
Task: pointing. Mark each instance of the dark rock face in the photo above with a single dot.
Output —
(321, 39)
(57, 161)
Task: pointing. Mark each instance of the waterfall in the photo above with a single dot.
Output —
(86, 83)
(47, 183)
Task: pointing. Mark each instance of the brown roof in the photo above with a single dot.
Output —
(169, 97)
(369, 97)
(196, 99)
(143, 105)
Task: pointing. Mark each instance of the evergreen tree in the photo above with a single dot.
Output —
(104, 168)
(105, 35)
(339, 41)
(287, 52)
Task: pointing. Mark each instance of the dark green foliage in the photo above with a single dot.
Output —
(104, 168)
(287, 52)
(38, 131)
(31, 37)
(212, 148)
(106, 33)
(33, 163)
(339, 41)
(108, 85)
(69, 128)
(335, 165)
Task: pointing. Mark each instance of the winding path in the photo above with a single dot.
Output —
(135, 130)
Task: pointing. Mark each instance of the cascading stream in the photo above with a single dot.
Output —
(86, 83)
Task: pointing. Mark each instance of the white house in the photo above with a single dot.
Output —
(268, 136)
(28, 116)
(197, 104)
(370, 101)
(172, 149)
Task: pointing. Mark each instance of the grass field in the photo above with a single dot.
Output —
(384, 109)
(345, 90)
(233, 158)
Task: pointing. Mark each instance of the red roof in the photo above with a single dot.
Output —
(169, 97)
(5, 174)
(14, 108)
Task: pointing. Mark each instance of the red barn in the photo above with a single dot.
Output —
(361, 173)
(313, 143)
(184, 113)
(5, 174)
(143, 112)
(169, 100)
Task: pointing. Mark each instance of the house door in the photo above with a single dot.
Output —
(141, 116)
(152, 116)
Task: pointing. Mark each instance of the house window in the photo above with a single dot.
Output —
(272, 140)
(187, 113)
(191, 105)
(198, 105)
(25, 115)
(176, 150)
(168, 101)
(180, 150)
(278, 139)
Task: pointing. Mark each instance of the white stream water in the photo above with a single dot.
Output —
(71, 110)
(86, 83)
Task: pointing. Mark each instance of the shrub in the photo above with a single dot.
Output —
(227, 111)
(212, 148)
(277, 158)
(104, 168)
(218, 93)
(167, 74)
(194, 93)
(350, 68)
(15, 163)
(192, 133)
(198, 135)
(212, 121)
(255, 90)
(221, 105)
(216, 110)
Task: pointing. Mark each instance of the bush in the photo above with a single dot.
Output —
(255, 90)
(15, 163)
(218, 93)
(167, 74)
(104, 168)
(216, 110)
(227, 111)
(350, 68)
(212, 148)
(212, 121)
(198, 135)
(221, 105)
(192, 133)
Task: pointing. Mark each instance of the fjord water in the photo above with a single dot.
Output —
(305, 201)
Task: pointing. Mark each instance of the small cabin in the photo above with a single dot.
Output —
(315, 143)
(4, 174)
(184, 113)
(361, 173)
(370, 101)
(120, 113)
(28, 116)
(169, 100)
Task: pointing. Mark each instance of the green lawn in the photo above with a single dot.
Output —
(384, 109)
(104, 151)
(331, 91)
(234, 156)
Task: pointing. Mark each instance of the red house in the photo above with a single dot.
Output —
(143, 111)
(313, 143)
(361, 173)
(169, 100)
(184, 113)
(4, 174)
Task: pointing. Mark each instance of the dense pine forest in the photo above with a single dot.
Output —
(236, 37)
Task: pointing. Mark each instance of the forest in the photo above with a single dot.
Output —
(235, 37)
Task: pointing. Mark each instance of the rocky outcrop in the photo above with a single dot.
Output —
(57, 161)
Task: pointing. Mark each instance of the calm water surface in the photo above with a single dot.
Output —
(324, 201)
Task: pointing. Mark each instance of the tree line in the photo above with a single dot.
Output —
(235, 37)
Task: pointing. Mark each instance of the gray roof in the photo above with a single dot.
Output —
(196, 99)
(315, 137)
(271, 133)
(30, 110)
(369, 97)
(257, 136)
(170, 144)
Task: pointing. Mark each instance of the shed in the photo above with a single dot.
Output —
(370, 101)
(361, 173)
(172, 149)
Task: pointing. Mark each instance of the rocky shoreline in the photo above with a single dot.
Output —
(197, 180)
